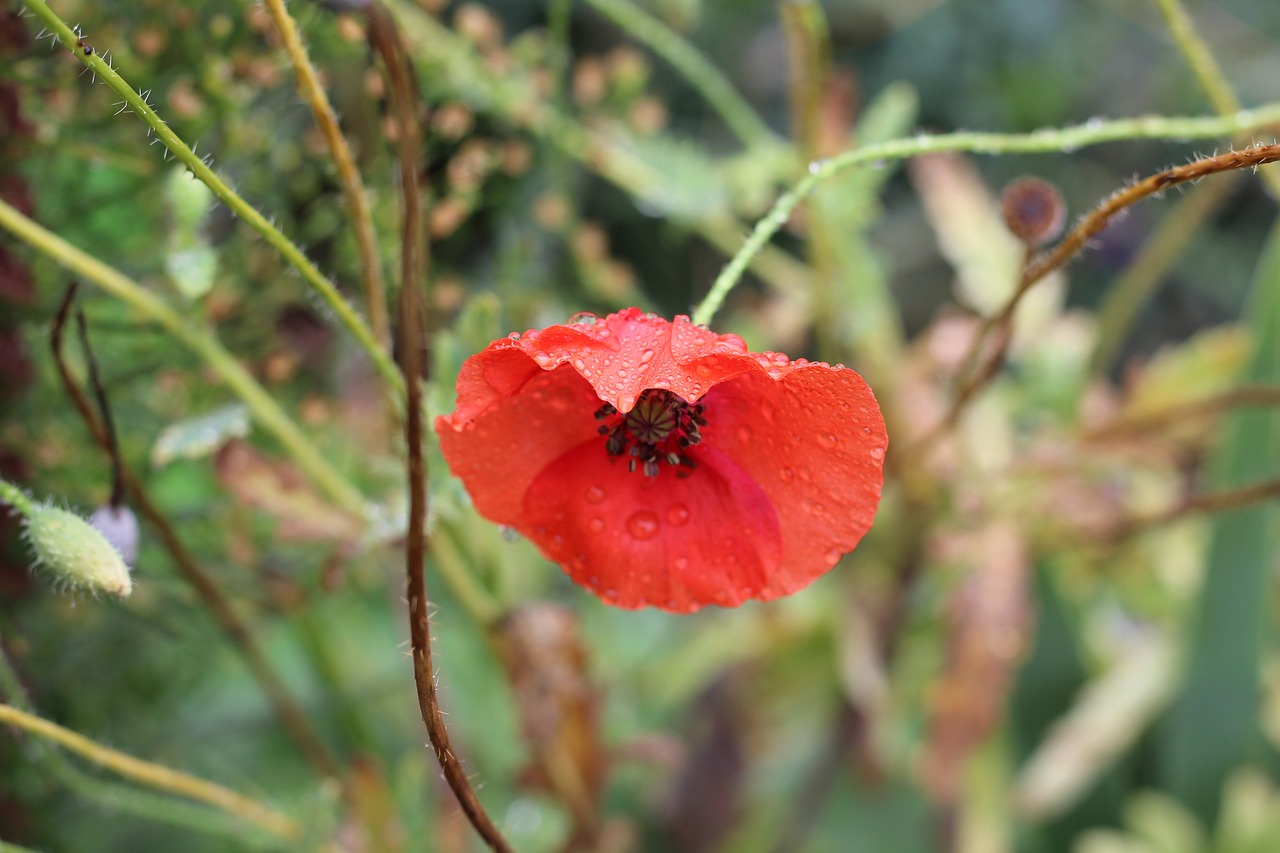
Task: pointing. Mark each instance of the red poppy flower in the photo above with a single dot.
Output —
(664, 465)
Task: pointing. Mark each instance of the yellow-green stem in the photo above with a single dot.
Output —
(153, 775)
(1040, 141)
(324, 288)
(200, 341)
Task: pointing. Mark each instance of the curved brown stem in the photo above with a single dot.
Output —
(1067, 248)
(413, 259)
(291, 715)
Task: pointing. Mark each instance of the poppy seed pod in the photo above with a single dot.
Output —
(663, 465)
(73, 551)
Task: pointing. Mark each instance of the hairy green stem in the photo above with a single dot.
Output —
(375, 291)
(265, 410)
(346, 315)
(686, 59)
(1092, 132)
(16, 498)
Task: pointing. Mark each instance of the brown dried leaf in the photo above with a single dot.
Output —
(987, 635)
(546, 663)
(277, 489)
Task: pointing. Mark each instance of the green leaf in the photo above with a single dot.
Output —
(1213, 726)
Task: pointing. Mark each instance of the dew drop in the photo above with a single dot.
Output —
(787, 474)
(622, 371)
(767, 411)
(678, 514)
(646, 356)
(744, 433)
(681, 563)
(703, 370)
(833, 556)
(826, 439)
(866, 430)
(782, 360)
(594, 494)
(580, 364)
(805, 475)
(597, 525)
(542, 358)
(593, 582)
(611, 594)
(643, 525)
(877, 453)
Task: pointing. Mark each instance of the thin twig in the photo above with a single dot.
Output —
(291, 715)
(385, 38)
(104, 408)
(1067, 248)
(348, 173)
(1208, 502)
(1247, 395)
(154, 775)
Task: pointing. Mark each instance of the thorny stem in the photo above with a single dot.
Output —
(154, 775)
(1067, 248)
(685, 58)
(385, 38)
(266, 411)
(291, 715)
(325, 289)
(1127, 294)
(1041, 141)
(348, 173)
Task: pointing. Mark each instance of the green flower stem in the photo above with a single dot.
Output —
(154, 775)
(1199, 57)
(346, 315)
(120, 796)
(1041, 141)
(266, 411)
(10, 847)
(701, 74)
(16, 498)
(348, 173)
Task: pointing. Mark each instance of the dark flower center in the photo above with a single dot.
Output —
(660, 427)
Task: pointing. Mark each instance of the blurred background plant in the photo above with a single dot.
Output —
(1057, 637)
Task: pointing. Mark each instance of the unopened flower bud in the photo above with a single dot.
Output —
(120, 527)
(1033, 210)
(72, 550)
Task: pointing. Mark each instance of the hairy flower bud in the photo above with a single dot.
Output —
(72, 550)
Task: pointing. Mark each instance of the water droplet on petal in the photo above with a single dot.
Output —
(833, 556)
(703, 371)
(611, 594)
(826, 439)
(594, 494)
(542, 358)
(643, 525)
(786, 474)
(877, 453)
(744, 433)
(678, 514)
(681, 563)
(646, 356)
(805, 474)
(597, 525)
(579, 364)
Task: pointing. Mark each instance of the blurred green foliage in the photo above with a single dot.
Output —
(590, 176)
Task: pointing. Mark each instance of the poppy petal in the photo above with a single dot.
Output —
(674, 542)
(498, 453)
(815, 442)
